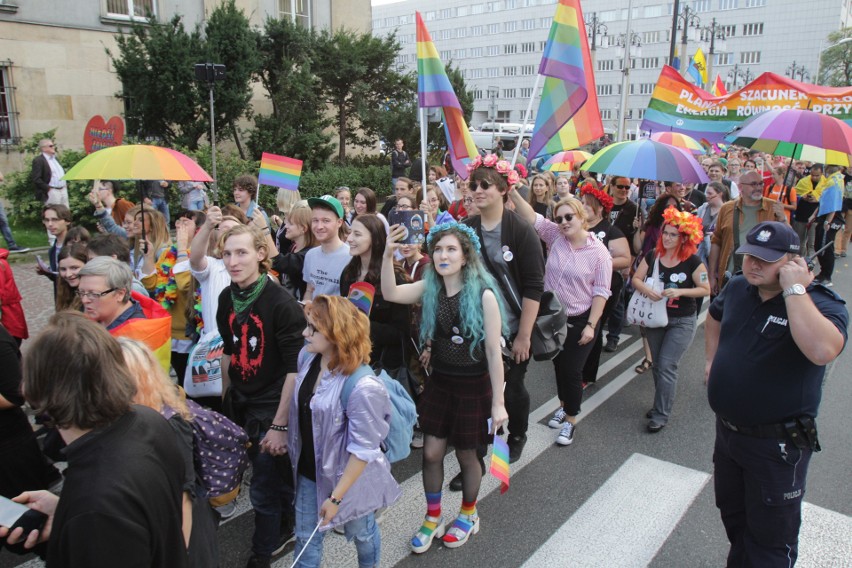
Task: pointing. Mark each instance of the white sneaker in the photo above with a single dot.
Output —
(558, 419)
(566, 435)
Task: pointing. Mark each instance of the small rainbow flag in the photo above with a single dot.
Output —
(500, 462)
(361, 294)
(435, 90)
(154, 330)
(280, 171)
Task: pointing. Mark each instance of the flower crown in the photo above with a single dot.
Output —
(440, 228)
(686, 224)
(503, 167)
(603, 198)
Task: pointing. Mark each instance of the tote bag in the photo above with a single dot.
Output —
(644, 311)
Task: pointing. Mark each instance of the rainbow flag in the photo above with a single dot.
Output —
(434, 90)
(500, 462)
(280, 171)
(362, 294)
(155, 330)
(569, 85)
(718, 88)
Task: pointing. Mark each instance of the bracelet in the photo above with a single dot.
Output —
(277, 428)
(334, 500)
(428, 349)
(591, 325)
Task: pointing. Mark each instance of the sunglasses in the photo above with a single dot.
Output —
(559, 218)
(483, 185)
(623, 186)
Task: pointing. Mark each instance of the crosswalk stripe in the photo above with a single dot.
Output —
(626, 521)
(825, 539)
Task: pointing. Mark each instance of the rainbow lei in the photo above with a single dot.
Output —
(686, 224)
(165, 292)
(196, 306)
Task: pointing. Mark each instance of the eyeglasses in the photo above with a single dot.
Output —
(559, 218)
(623, 186)
(671, 235)
(94, 295)
(311, 329)
(402, 207)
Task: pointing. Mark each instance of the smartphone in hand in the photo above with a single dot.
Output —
(14, 515)
(414, 223)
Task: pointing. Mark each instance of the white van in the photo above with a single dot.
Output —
(489, 133)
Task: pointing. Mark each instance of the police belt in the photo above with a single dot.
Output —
(801, 431)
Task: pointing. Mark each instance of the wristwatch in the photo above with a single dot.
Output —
(794, 290)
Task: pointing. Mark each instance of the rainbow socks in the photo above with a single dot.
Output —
(466, 523)
(433, 524)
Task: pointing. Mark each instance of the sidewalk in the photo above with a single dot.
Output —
(37, 293)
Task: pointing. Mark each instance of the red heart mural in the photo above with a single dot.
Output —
(100, 134)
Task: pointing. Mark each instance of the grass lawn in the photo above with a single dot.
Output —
(27, 235)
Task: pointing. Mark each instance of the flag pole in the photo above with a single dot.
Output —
(423, 132)
(526, 119)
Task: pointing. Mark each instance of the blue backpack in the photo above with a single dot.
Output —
(397, 444)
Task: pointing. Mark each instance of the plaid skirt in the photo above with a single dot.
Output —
(456, 408)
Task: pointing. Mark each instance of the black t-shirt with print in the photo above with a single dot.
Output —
(678, 276)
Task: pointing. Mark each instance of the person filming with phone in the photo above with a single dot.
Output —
(769, 336)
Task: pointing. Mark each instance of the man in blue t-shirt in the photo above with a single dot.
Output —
(769, 335)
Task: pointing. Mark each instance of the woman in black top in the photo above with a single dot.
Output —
(684, 279)
(541, 195)
(289, 264)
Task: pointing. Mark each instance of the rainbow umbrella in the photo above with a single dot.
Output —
(647, 159)
(779, 132)
(565, 161)
(678, 140)
(138, 161)
(822, 156)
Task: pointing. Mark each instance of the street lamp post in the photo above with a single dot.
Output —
(794, 70)
(631, 45)
(211, 72)
(717, 33)
(689, 19)
(735, 74)
(595, 28)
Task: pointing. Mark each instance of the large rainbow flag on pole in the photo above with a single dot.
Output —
(280, 171)
(569, 86)
(434, 90)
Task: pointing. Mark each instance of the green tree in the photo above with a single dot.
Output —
(298, 123)
(836, 61)
(154, 63)
(231, 41)
(357, 74)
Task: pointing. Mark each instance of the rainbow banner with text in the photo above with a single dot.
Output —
(677, 105)
(280, 171)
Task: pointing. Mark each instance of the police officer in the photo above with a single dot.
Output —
(769, 336)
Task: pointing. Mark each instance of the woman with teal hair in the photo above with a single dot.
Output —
(461, 331)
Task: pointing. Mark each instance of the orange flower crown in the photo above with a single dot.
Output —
(686, 224)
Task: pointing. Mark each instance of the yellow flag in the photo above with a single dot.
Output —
(701, 65)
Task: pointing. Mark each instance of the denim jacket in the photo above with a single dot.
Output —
(359, 431)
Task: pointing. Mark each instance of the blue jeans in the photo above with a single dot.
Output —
(4, 228)
(364, 531)
(271, 495)
(668, 344)
(161, 205)
(759, 485)
(196, 205)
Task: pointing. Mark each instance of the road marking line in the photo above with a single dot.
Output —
(627, 520)
(824, 540)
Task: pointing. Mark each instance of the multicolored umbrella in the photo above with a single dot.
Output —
(778, 132)
(647, 159)
(822, 156)
(679, 140)
(565, 161)
(138, 162)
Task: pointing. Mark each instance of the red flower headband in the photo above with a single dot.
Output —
(603, 198)
(687, 224)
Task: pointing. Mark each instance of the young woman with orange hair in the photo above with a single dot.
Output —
(685, 278)
(342, 474)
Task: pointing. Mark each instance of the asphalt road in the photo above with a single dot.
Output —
(618, 496)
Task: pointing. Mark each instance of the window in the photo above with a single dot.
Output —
(650, 62)
(446, 55)
(524, 116)
(604, 90)
(727, 4)
(493, 29)
(701, 5)
(546, 23)
(8, 113)
(651, 37)
(477, 8)
(128, 9)
(606, 64)
(606, 113)
(510, 71)
(508, 93)
(504, 115)
(528, 47)
(461, 53)
(528, 24)
(431, 15)
(477, 94)
(403, 40)
(377, 23)
(492, 72)
(526, 92)
(477, 30)
(646, 88)
(753, 29)
(750, 57)
(640, 113)
(461, 32)
(297, 11)
(527, 70)
(608, 16)
(476, 73)
(511, 26)
(730, 30)
(404, 20)
(447, 13)
(477, 51)
(493, 50)
(755, 3)
(510, 48)
(445, 34)
(389, 22)
(541, 45)
(654, 11)
(723, 59)
(461, 11)
(493, 6)
(511, 4)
